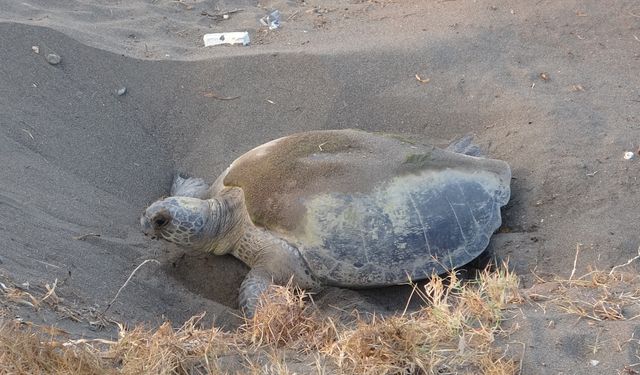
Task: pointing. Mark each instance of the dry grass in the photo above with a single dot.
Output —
(24, 350)
(600, 295)
(188, 350)
(597, 295)
(453, 333)
(283, 318)
(21, 296)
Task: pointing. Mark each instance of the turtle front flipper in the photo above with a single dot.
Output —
(189, 187)
(257, 281)
(466, 146)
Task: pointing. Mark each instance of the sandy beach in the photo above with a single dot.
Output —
(551, 87)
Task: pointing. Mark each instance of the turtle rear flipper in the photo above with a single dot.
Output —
(256, 283)
(189, 187)
(466, 146)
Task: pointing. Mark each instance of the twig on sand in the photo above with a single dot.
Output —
(31, 135)
(88, 341)
(575, 261)
(524, 349)
(51, 291)
(625, 264)
(220, 15)
(209, 94)
(422, 80)
(295, 14)
(127, 282)
(46, 264)
(85, 236)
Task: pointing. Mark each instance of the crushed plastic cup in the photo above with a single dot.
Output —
(272, 20)
(628, 155)
(216, 39)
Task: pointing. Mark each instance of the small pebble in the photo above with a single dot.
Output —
(35, 49)
(122, 91)
(53, 59)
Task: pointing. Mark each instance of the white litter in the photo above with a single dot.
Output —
(216, 39)
(272, 20)
(628, 155)
(594, 362)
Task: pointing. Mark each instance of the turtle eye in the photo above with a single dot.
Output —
(160, 220)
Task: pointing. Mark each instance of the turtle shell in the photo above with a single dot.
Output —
(368, 209)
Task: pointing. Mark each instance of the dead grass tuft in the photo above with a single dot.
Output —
(283, 318)
(272, 363)
(25, 350)
(20, 296)
(597, 295)
(187, 350)
(498, 366)
(397, 345)
(453, 333)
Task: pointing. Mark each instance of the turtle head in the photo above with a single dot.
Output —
(184, 221)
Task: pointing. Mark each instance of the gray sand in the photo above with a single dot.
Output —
(77, 158)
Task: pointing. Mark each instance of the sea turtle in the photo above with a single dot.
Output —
(344, 208)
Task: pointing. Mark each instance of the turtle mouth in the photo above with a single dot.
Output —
(147, 228)
(152, 234)
(154, 222)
